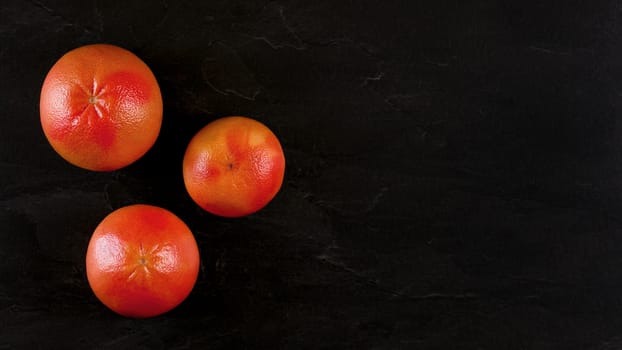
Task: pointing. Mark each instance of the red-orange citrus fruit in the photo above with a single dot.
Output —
(233, 167)
(100, 107)
(142, 261)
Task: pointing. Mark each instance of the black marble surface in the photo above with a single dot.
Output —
(454, 175)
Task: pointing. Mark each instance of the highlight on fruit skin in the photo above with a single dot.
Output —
(234, 166)
(100, 107)
(142, 261)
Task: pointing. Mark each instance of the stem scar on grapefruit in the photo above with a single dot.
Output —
(100, 107)
(233, 167)
(142, 261)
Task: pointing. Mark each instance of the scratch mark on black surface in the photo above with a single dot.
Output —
(395, 293)
(229, 91)
(55, 14)
(301, 45)
(368, 49)
(376, 199)
(239, 94)
(377, 77)
(99, 16)
(549, 51)
(156, 27)
(274, 45)
(438, 64)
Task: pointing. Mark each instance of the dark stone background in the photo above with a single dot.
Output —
(454, 174)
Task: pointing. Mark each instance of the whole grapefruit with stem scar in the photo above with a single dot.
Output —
(100, 107)
(234, 166)
(142, 261)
